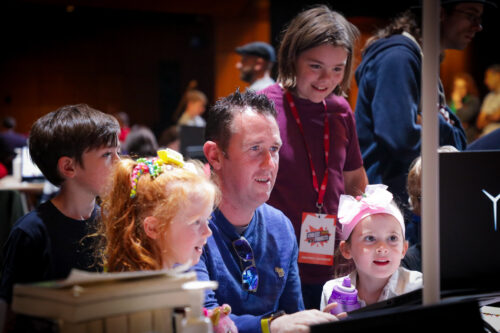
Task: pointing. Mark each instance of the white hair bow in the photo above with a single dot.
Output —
(375, 200)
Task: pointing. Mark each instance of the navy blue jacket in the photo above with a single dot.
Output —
(490, 141)
(386, 113)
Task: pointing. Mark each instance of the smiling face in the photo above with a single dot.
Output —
(319, 71)
(249, 166)
(188, 231)
(377, 246)
(459, 26)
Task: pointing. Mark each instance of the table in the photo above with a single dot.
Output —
(30, 191)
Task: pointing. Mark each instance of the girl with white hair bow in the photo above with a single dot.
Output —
(373, 237)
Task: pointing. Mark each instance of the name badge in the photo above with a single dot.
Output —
(317, 239)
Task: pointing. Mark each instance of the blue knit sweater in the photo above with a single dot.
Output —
(272, 239)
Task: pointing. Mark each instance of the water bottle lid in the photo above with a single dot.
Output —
(346, 285)
(346, 282)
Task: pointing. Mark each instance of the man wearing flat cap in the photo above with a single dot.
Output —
(255, 66)
(388, 114)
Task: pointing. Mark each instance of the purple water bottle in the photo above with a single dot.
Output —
(346, 297)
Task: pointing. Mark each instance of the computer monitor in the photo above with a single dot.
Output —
(469, 192)
(192, 139)
(29, 171)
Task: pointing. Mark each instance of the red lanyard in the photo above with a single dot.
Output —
(326, 143)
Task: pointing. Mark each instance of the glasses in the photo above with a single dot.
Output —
(249, 276)
(474, 19)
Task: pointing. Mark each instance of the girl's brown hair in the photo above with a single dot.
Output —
(311, 28)
(341, 265)
(127, 247)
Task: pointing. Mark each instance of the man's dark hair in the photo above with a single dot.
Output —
(409, 21)
(70, 131)
(221, 115)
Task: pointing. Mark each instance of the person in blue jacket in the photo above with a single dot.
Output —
(253, 251)
(388, 116)
(490, 141)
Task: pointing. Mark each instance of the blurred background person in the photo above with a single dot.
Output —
(140, 142)
(465, 103)
(9, 141)
(255, 65)
(191, 107)
(124, 121)
(196, 102)
(169, 138)
(489, 116)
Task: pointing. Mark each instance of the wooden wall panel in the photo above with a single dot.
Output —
(108, 59)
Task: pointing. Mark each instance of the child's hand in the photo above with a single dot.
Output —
(330, 306)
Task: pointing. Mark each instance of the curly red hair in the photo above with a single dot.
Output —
(127, 247)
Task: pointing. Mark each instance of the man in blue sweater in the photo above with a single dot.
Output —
(253, 251)
(388, 115)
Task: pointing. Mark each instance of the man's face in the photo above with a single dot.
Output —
(459, 26)
(246, 66)
(250, 164)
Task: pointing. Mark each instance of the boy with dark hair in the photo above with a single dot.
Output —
(75, 148)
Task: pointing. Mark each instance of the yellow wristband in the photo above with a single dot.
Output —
(265, 323)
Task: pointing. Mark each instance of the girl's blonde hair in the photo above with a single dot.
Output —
(414, 181)
(311, 28)
(191, 95)
(126, 246)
